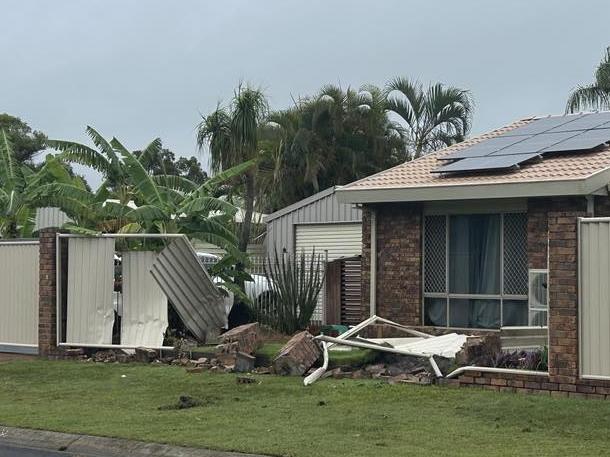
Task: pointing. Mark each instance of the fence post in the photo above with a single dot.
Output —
(47, 324)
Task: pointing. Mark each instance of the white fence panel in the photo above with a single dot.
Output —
(90, 311)
(144, 318)
(594, 290)
(19, 277)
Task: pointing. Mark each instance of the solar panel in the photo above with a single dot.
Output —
(483, 148)
(543, 124)
(586, 140)
(570, 133)
(486, 163)
(535, 143)
(586, 122)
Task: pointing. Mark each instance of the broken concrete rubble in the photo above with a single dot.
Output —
(244, 338)
(145, 355)
(297, 356)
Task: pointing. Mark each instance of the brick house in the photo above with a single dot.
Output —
(458, 238)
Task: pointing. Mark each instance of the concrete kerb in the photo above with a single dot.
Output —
(99, 446)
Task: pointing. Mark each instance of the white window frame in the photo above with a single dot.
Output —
(447, 295)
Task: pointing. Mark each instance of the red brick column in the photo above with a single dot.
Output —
(537, 233)
(563, 290)
(47, 325)
(399, 261)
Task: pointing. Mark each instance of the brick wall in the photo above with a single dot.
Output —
(537, 233)
(399, 231)
(520, 383)
(47, 330)
(563, 288)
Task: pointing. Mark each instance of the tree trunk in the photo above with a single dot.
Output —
(246, 224)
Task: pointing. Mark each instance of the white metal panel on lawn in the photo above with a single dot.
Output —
(90, 310)
(594, 303)
(144, 318)
(334, 240)
(19, 277)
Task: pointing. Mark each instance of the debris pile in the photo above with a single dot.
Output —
(298, 355)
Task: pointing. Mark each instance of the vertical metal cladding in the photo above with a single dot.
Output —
(90, 311)
(18, 295)
(144, 319)
(188, 286)
(595, 298)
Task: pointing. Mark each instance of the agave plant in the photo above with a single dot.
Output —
(294, 288)
(22, 190)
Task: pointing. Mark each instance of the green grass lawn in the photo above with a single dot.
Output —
(279, 416)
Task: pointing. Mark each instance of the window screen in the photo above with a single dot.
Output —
(435, 242)
(515, 254)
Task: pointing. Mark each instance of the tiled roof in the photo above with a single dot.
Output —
(417, 173)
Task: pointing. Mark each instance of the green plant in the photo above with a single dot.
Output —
(595, 95)
(23, 189)
(295, 284)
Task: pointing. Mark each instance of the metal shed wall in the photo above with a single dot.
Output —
(49, 217)
(321, 208)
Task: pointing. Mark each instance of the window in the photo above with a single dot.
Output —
(475, 270)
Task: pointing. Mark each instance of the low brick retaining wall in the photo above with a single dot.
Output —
(532, 384)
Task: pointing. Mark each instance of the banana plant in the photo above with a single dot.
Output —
(22, 190)
(130, 200)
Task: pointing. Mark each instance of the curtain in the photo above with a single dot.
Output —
(474, 254)
(474, 268)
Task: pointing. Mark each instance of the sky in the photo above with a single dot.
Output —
(139, 70)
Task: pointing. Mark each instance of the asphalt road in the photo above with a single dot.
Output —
(14, 451)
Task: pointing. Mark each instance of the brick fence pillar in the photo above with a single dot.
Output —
(563, 291)
(47, 325)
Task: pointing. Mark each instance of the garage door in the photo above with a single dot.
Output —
(340, 240)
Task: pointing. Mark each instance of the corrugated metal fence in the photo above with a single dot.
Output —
(594, 290)
(19, 277)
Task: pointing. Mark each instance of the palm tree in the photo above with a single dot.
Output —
(22, 190)
(433, 118)
(333, 138)
(232, 134)
(596, 95)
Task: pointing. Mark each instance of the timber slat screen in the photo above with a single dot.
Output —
(343, 291)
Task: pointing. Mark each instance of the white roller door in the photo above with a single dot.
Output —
(339, 240)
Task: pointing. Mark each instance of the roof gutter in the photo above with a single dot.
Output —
(476, 190)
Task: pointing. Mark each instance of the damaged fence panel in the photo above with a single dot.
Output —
(189, 287)
(90, 310)
(144, 318)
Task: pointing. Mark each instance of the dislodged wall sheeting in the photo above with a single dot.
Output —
(188, 286)
(144, 318)
(90, 315)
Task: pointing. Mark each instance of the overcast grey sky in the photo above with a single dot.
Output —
(142, 69)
